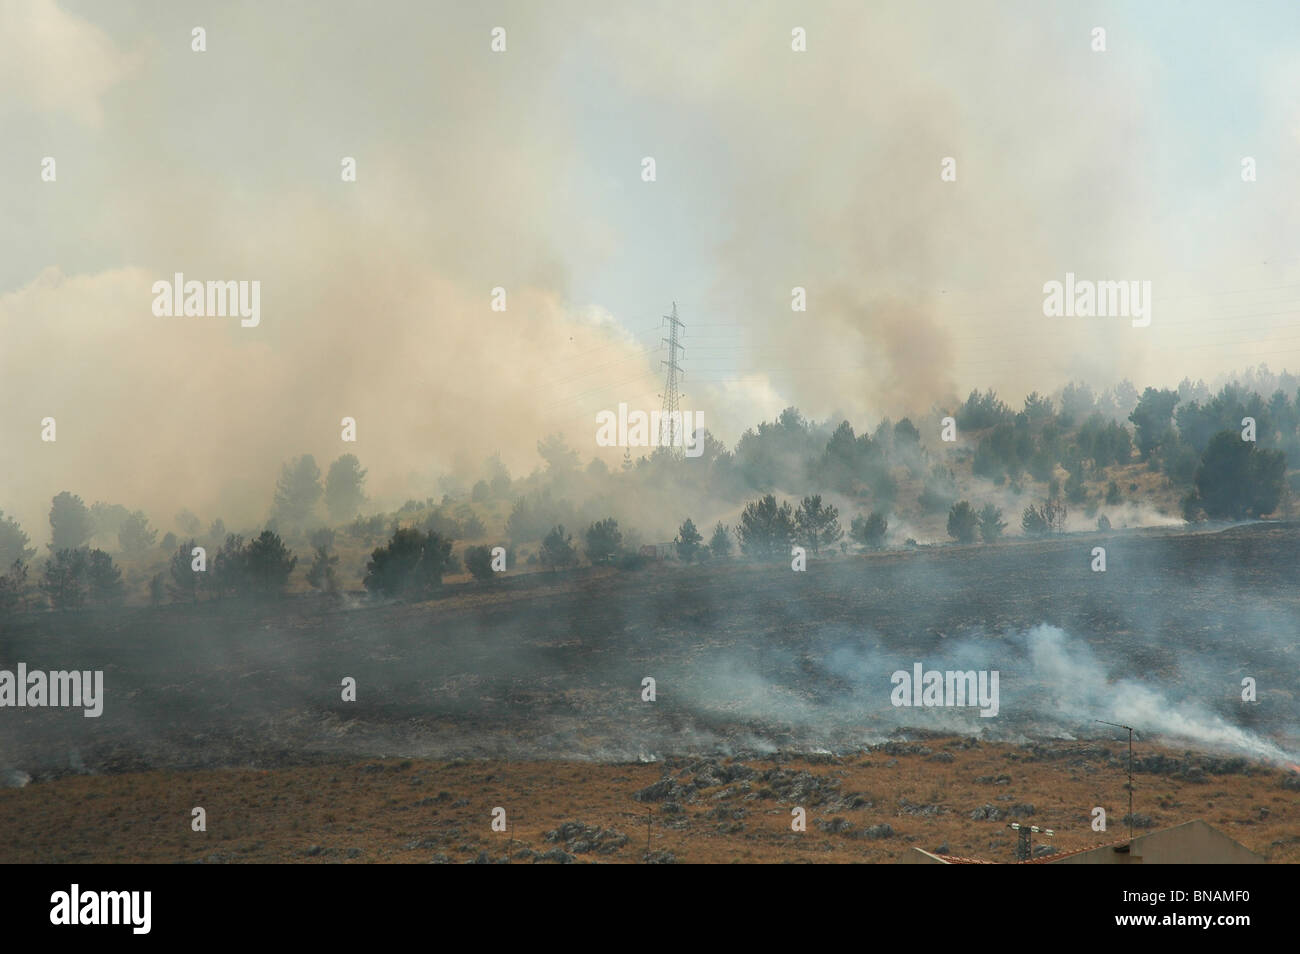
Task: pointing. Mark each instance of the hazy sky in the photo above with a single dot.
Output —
(522, 169)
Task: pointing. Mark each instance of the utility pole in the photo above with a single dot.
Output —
(671, 421)
(1130, 773)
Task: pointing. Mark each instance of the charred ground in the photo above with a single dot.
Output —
(748, 659)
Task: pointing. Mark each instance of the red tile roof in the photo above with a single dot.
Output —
(959, 860)
(1045, 859)
(1057, 856)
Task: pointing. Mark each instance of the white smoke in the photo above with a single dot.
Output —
(837, 691)
(1081, 686)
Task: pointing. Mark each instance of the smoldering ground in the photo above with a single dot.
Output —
(746, 658)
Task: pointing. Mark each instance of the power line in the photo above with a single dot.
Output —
(596, 390)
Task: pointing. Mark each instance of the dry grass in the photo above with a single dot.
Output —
(403, 811)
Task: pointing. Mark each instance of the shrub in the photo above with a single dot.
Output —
(1236, 479)
(478, 560)
(183, 581)
(817, 525)
(869, 531)
(720, 542)
(13, 586)
(103, 578)
(135, 536)
(688, 541)
(64, 580)
(632, 561)
(766, 528)
(603, 541)
(157, 589)
(268, 563)
(410, 565)
(1034, 521)
(13, 542)
(963, 522)
(991, 523)
(557, 549)
(321, 574)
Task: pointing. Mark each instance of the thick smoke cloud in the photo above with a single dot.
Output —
(521, 170)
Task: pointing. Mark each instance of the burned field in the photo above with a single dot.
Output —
(747, 660)
(772, 690)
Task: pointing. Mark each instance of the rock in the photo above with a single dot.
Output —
(802, 788)
(663, 790)
(557, 856)
(732, 791)
(876, 832)
(905, 748)
(834, 826)
(580, 839)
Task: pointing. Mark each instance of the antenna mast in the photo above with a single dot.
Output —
(1130, 773)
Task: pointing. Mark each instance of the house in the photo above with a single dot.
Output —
(1191, 843)
(659, 551)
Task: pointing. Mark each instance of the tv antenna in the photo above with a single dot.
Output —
(1025, 848)
(1130, 772)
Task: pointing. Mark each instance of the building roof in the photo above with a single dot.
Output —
(959, 860)
(1136, 841)
(1058, 855)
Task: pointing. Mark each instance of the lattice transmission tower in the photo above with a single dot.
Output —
(671, 421)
